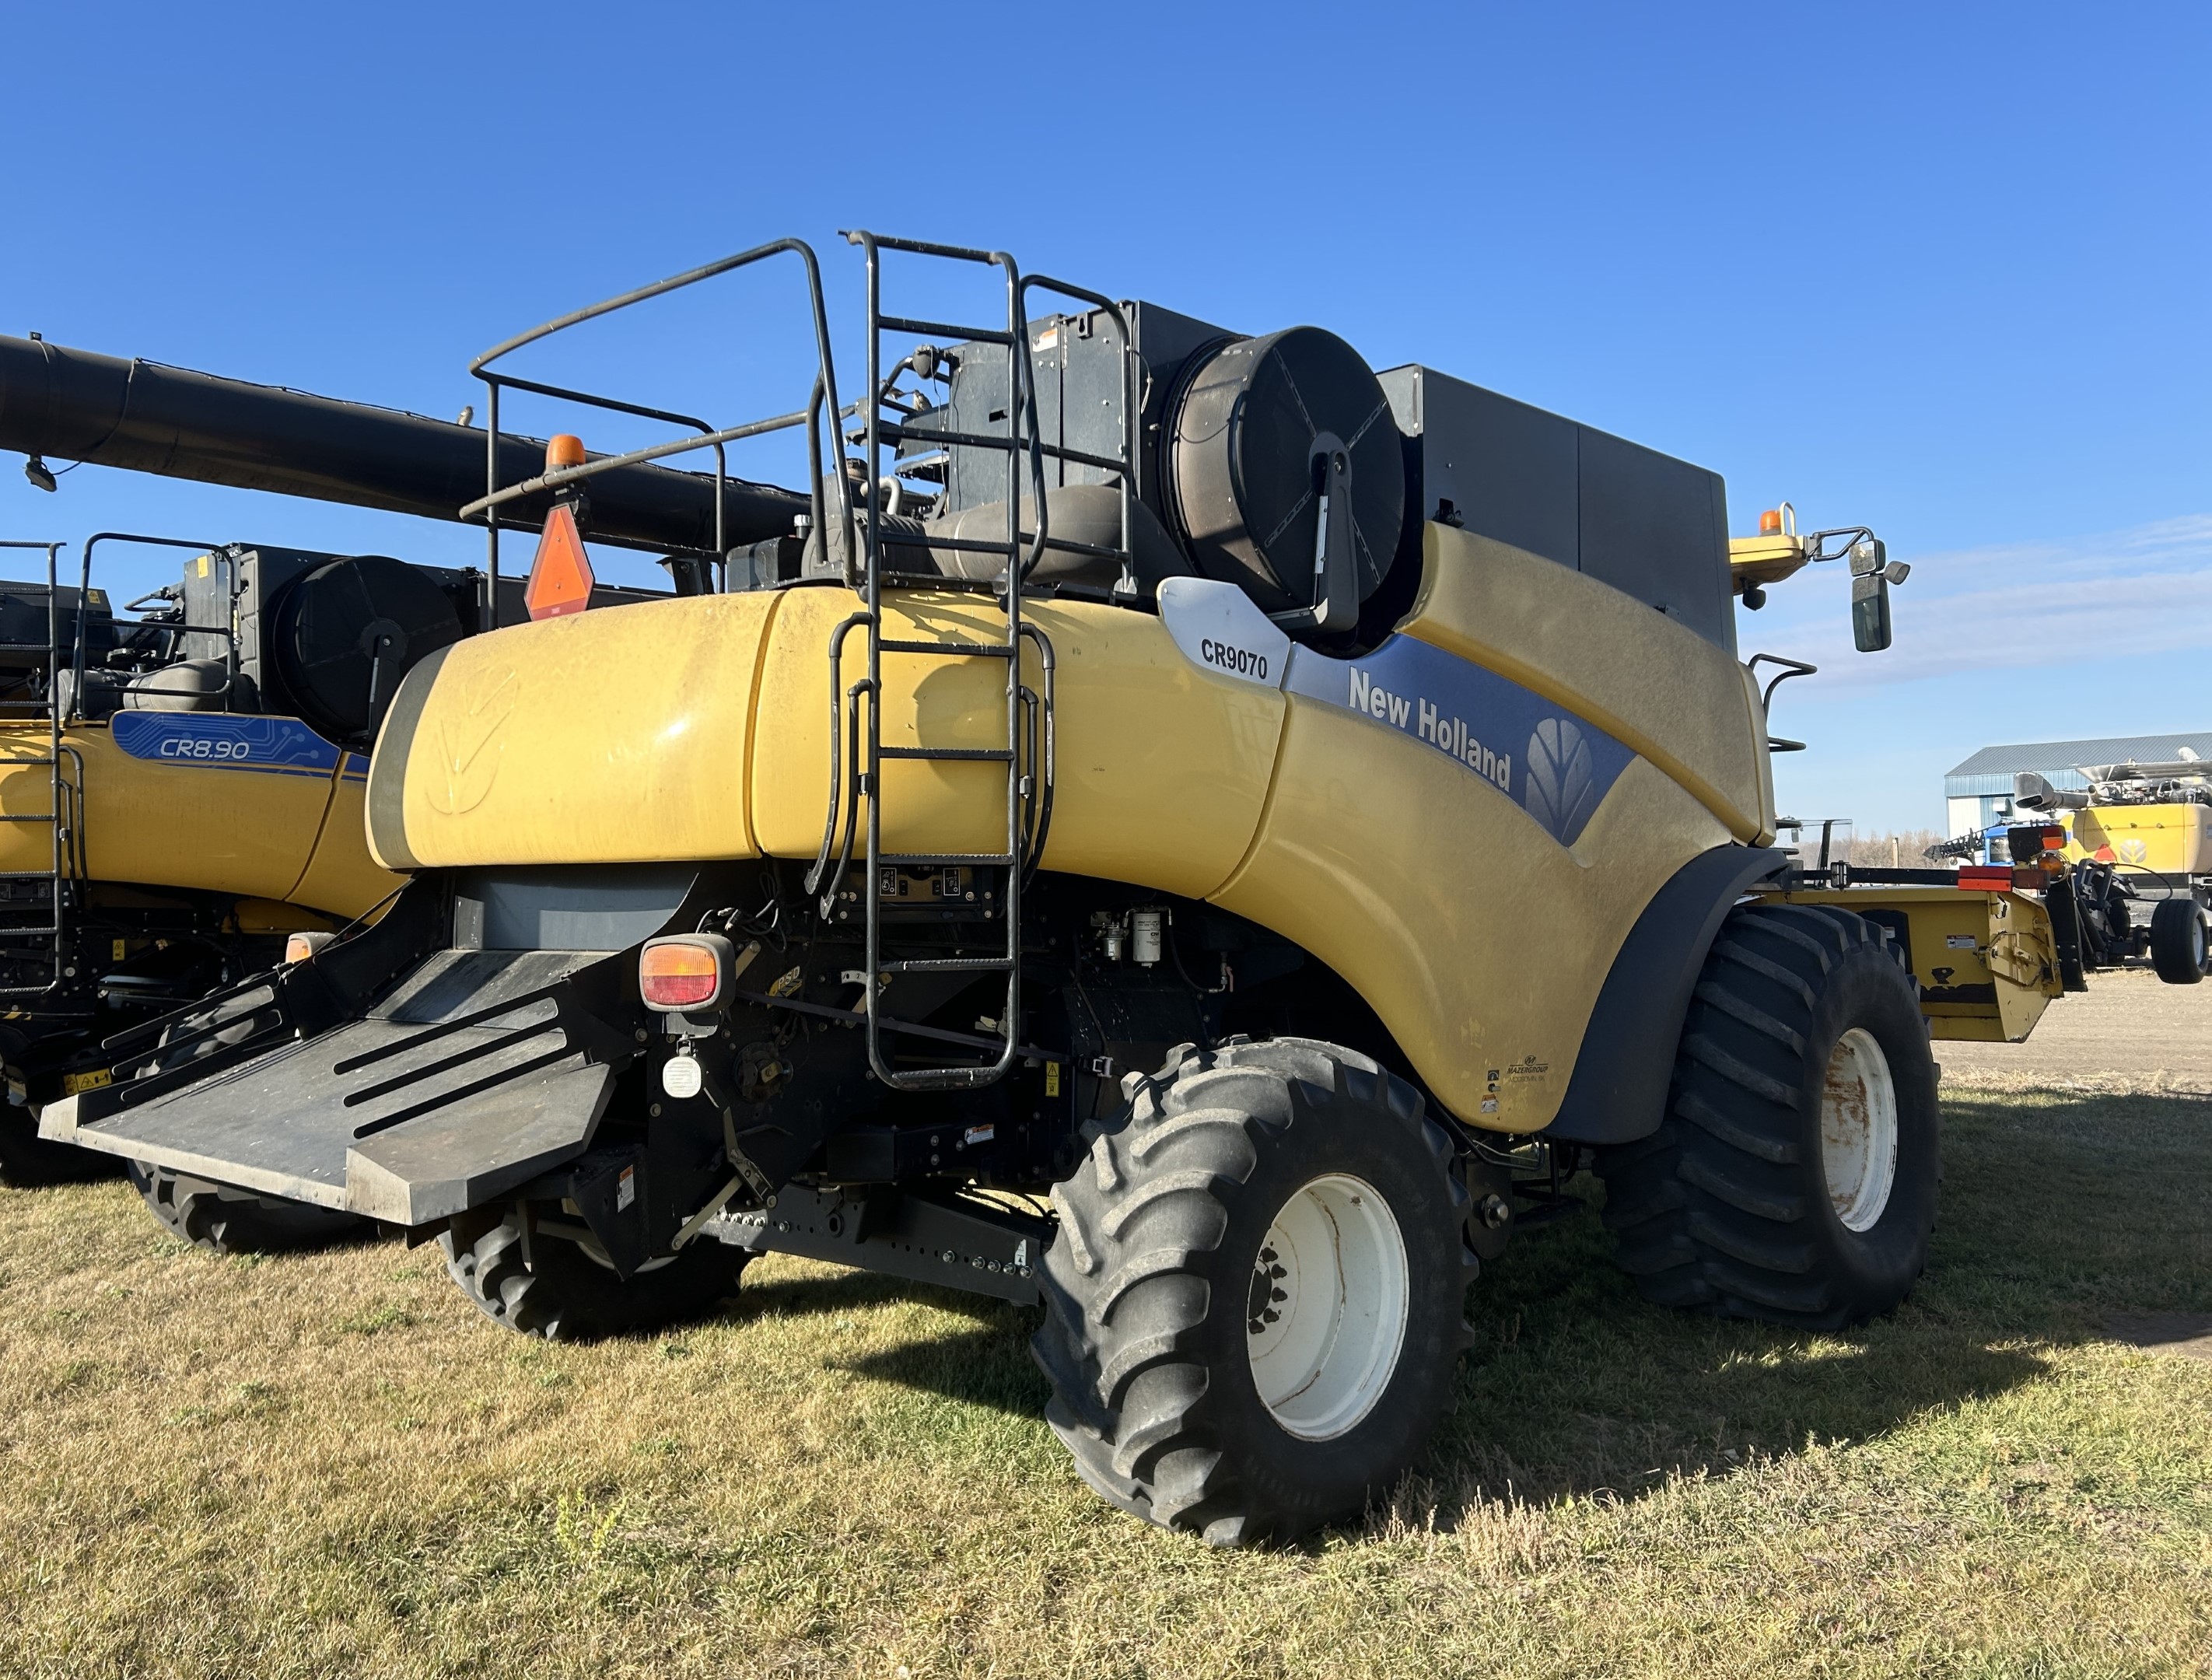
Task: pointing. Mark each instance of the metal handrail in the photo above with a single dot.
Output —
(825, 382)
(227, 552)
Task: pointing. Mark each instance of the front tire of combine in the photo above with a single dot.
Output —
(223, 1219)
(2176, 942)
(1255, 1301)
(1794, 1177)
(559, 1292)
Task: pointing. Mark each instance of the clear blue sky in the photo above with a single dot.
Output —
(1939, 268)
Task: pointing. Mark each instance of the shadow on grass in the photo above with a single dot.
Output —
(987, 1364)
(2056, 1210)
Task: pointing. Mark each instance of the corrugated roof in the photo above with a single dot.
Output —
(2049, 756)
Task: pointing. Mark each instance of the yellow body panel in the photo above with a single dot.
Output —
(341, 875)
(1480, 941)
(2171, 839)
(646, 745)
(1161, 766)
(1660, 689)
(1987, 962)
(597, 737)
(196, 826)
(698, 728)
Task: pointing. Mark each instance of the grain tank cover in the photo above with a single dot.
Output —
(1257, 424)
(349, 630)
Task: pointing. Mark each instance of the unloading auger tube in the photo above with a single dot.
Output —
(62, 405)
(1409, 849)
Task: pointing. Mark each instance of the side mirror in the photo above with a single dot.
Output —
(1871, 626)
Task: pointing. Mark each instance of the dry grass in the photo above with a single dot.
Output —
(329, 1465)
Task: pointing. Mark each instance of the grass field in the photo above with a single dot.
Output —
(328, 1464)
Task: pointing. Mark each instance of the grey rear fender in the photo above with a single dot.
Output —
(1617, 1092)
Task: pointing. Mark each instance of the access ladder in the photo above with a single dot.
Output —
(1024, 749)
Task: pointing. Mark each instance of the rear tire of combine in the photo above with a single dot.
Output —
(1793, 1180)
(2176, 942)
(223, 1219)
(1255, 1301)
(560, 1293)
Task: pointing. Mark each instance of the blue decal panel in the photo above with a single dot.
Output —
(224, 740)
(1553, 765)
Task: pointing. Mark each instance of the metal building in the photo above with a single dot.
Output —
(1977, 792)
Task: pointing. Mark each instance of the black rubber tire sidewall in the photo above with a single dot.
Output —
(1873, 1268)
(565, 1295)
(1304, 1483)
(2177, 949)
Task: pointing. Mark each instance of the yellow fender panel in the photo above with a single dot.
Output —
(1478, 940)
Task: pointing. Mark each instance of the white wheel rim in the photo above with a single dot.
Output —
(1858, 1129)
(1325, 1318)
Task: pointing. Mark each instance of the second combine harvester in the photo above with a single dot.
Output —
(1176, 831)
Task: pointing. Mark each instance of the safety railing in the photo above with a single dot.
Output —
(705, 435)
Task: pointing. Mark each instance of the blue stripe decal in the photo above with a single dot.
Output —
(278, 745)
(1555, 766)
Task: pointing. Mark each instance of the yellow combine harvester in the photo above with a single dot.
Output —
(181, 801)
(1182, 829)
(2138, 845)
(171, 819)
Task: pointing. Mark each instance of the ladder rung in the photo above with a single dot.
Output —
(964, 649)
(965, 755)
(949, 966)
(982, 335)
(945, 860)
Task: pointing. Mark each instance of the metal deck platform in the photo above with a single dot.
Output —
(368, 1117)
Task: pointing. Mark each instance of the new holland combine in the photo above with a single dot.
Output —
(2138, 846)
(177, 807)
(1083, 848)
(182, 792)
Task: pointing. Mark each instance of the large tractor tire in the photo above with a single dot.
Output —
(1794, 1177)
(560, 1293)
(223, 1219)
(1256, 1301)
(2176, 942)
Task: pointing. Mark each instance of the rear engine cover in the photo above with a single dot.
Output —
(346, 633)
(1256, 418)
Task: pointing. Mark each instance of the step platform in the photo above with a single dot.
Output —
(383, 1117)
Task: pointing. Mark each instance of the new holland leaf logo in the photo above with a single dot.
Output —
(1562, 785)
(468, 758)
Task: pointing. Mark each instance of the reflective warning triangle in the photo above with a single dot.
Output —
(560, 575)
